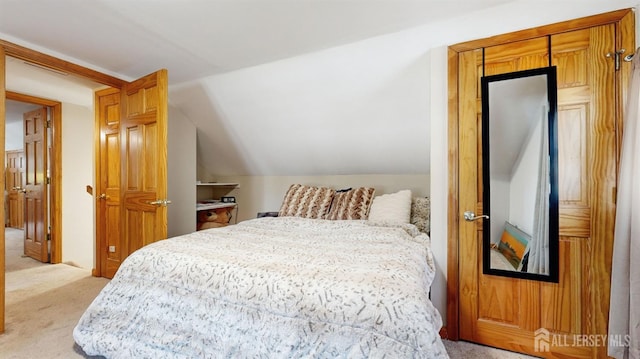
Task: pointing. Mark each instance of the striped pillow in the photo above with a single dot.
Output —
(352, 204)
(306, 201)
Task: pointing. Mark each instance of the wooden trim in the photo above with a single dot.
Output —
(452, 213)
(55, 205)
(10, 95)
(54, 63)
(97, 262)
(627, 41)
(581, 23)
(2, 184)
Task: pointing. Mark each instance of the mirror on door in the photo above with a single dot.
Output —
(520, 174)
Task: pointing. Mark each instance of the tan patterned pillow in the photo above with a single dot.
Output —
(421, 213)
(352, 204)
(306, 201)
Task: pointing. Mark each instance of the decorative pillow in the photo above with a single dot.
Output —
(392, 207)
(421, 213)
(306, 201)
(513, 243)
(352, 204)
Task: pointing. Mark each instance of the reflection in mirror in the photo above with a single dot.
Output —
(520, 174)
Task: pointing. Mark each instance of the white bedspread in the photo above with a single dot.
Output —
(271, 288)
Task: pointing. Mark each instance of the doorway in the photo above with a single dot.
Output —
(27, 202)
(9, 52)
(54, 215)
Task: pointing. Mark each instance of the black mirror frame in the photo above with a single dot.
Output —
(552, 93)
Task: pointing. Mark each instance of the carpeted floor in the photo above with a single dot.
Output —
(45, 301)
(43, 304)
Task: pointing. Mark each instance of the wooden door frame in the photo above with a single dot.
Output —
(55, 165)
(35, 57)
(627, 28)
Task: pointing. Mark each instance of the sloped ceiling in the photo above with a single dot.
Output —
(199, 38)
(289, 87)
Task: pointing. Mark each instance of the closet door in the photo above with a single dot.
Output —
(524, 315)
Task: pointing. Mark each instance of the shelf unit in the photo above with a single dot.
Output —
(209, 193)
(214, 190)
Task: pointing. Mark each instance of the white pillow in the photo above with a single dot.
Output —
(392, 208)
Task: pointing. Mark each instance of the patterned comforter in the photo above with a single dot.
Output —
(271, 288)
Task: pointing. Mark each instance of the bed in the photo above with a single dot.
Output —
(276, 287)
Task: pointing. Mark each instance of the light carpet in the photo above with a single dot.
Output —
(45, 301)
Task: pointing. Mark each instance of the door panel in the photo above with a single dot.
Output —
(132, 172)
(15, 179)
(506, 312)
(143, 136)
(110, 250)
(35, 202)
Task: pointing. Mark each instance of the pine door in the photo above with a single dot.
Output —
(541, 318)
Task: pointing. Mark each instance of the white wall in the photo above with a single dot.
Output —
(501, 205)
(524, 183)
(265, 193)
(181, 173)
(411, 63)
(77, 172)
(14, 136)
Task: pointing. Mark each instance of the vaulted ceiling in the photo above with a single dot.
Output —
(199, 38)
(283, 87)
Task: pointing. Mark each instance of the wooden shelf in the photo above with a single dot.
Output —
(205, 206)
(218, 184)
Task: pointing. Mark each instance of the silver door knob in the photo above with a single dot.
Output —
(471, 216)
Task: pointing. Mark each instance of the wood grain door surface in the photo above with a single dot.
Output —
(143, 145)
(35, 201)
(15, 179)
(110, 248)
(524, 315)
(132, 169)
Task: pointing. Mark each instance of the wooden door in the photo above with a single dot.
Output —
(504, 305)
(15, 178)
(515, 314)
(35, 202)
(109, 249)
(143, 157)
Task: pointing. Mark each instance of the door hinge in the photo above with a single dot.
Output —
(48, 123)
(48, 237)
(48, 180)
